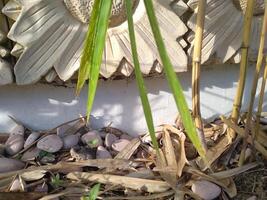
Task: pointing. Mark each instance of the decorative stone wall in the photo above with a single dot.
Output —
(45, 37)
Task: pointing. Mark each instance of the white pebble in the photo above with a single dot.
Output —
(120, 144)
(110, 139)
(206, 190)
(92, 139)
(70, 141)
(14, 144)
(102, 153)
(8, 165)
(31, 139)
(50, 143)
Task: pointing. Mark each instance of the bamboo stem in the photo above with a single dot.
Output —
(261, 99)
(196, 70)
(243, 65)
(254, 87)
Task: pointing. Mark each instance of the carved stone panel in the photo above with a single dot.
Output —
(49, 36)
(223, 29)
(45, 37)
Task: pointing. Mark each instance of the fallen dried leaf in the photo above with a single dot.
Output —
(233, 172)
(33, 175)
(128, 182)
(128, 151)
(170, 175)
(214, 153)
(20, 195)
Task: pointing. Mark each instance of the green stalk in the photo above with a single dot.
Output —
(139, 78)
(173, 81)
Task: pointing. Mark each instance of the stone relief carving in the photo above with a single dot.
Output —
(223, 29)
(45, 37)
(6, 74)
(49, 35)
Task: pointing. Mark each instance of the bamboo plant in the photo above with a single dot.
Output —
(258, 69)
(196, 70)
(173, 81)
(139, 78)
(255, 84)
(243, 65)
(261, 99)
(92, 56)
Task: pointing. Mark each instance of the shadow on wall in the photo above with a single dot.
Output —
(44, 106)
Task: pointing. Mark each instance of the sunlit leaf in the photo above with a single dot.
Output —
(85, 65)
(94, 192)
(139, 78)
(93, 50)
(173, 81)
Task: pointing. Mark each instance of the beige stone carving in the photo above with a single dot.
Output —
(49, 36)
(6, 74)
(223, 29)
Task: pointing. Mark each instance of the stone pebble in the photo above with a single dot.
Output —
(14, 144)
(206, 190)
(102, 153)
(92, 139)
(8, 165)
(31, 139)
(110, 139)
(62, 130)
(18, 130)
(120, 144)
(50, 143)
(70, 141)
(30, 154)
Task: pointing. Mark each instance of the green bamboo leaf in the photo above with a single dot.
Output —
(94, 192)
(173, 81)
(139, 78)
(85, 65)
(93, 50)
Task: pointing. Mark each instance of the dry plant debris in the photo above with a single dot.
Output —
(70, 160)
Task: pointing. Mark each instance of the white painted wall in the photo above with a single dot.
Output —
(43, 106)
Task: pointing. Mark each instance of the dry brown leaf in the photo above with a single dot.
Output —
(162, 195)
(231, 188)
(20, 195)
(5, 183)
(70, 191)
(241, 133)
(144, 174)
(100, 163)
(233, 172)
(129, 150)
(33, 175)
(169, 174)
(53, 196)
(261, 136)
(75, 127)
(152, 186)
(214, 153)
(180, 155)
